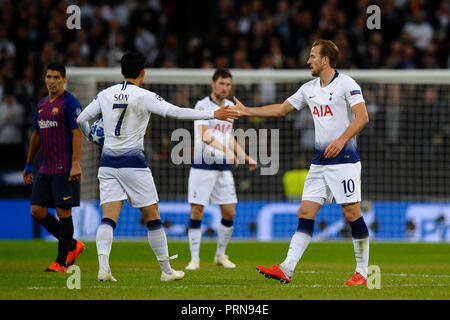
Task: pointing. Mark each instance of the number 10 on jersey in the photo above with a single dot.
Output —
(119, 123)
(349, 186)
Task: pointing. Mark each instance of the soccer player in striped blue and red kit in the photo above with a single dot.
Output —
(57, 184)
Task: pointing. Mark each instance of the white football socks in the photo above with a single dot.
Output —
(195, 237)
(223, 238)
(361, 247)
(158, 242)
(104, 239)
(297, 247)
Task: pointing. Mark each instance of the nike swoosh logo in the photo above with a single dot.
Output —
(67, 198)
(349, 195)
(311, 97)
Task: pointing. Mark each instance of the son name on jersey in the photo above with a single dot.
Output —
(121, 97)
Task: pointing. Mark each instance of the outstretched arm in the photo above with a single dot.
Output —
(224, 113)
(156, 104)
(269, 111)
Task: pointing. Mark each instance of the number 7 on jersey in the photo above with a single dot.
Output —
(119, 123)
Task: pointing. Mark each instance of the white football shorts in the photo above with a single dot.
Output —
(211, 186)
(133, 184)
(339, 181)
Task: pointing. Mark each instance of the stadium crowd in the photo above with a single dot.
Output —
(203, 34)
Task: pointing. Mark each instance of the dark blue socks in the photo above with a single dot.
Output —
(359, 229)
(306, 226)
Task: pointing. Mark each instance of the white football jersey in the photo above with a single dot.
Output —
(206, 156)
(126, 110)
(331, 109)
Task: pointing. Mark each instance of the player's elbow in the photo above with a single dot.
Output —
(366, 119)
(80, 122)
(363, 118)
(282, 113)
(284, 109)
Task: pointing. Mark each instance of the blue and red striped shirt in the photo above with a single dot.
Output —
(55, 122)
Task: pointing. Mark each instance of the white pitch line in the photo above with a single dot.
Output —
(382, 273)
(302, 286)
(417, 275)
(82, 287)
(229, 285)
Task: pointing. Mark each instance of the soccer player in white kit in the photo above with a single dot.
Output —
(123, 173)
(210, 178)
(339, 113)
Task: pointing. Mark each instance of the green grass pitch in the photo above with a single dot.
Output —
(408, 271)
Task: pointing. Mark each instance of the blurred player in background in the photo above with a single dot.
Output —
(58, 181)
(339, 113)
(210, 178)
(123, 172)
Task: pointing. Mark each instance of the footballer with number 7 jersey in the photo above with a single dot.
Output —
(339, 113)
(123, 172)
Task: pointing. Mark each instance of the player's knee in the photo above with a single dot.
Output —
(305, 213)
(64, 211)
(351, 213)
(196, 212)
(38, 214)
(229, 215)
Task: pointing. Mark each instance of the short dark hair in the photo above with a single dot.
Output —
(56, 66)
(221, 73)
(328, 49)
(132, 64)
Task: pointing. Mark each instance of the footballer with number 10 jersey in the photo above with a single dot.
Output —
(339, 112)
(331, 109)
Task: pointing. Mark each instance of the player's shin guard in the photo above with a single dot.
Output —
(52, 225)
(195, 237)
(104, 239)
(224, 234)
(65, 239)
(158, 242)
(360, 236)
(299, 242)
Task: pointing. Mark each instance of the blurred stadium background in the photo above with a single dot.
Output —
(402, 69)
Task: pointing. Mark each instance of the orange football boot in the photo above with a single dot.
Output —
(56, 267)
(357, 279)
(273, 273)
(73, 255)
